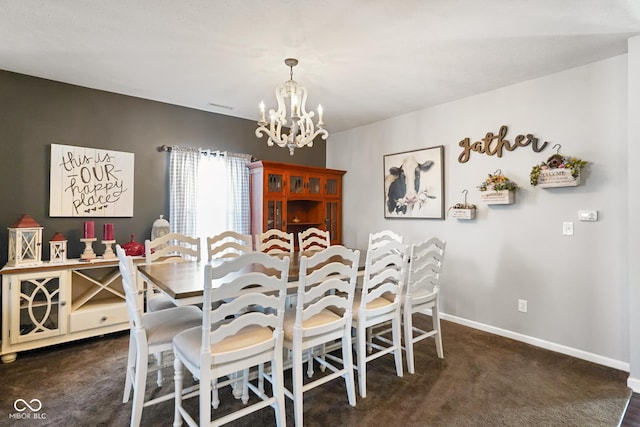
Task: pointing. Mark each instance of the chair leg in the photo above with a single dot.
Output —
(245, 386)
(261, 377)
(205, 399)
(215, 400)
(361, 354)
(139, 387)
(408, 339)
(435, 317)
(298, 370)
(131, 369)
(159, 364)
(323, 351)
(277, 375)
(397, 343)
(310, 363)
(347, 358)
(236, 386)
(177, 379)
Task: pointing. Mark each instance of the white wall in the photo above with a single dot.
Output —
(576, 286)
(634, 207)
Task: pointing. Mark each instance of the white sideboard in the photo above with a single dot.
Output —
(54, 303)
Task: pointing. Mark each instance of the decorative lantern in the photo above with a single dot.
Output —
(160, 227)
(25, 242)
(58, 248)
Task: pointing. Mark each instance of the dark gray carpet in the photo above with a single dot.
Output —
(484, 380)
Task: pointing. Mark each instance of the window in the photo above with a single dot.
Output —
(208, 193)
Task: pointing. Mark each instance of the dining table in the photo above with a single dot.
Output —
(183, 282)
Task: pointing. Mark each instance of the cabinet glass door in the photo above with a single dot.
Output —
(331, 187)
(314, 185)
(331, 221)
(39, 300)
(274, 215)
(275, 183)
(296, 184)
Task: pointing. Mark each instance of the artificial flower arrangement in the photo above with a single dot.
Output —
(497, 189)
(562, 164)
(498, 182)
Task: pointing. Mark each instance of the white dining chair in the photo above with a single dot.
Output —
(233, 338)
(229, 244)
(274, 241)
(381, 237)
(377, 303)
(225, 245)
(149, 333)
(172, 247)
(376, 240)
(313, 239)
(422, 295)
(326, 279)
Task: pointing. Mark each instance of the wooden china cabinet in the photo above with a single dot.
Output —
(293, 198)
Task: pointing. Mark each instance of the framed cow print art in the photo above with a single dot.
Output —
(414, 184)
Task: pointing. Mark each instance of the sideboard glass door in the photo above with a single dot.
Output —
(40, 300)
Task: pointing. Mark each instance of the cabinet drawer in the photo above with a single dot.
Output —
(98, 315)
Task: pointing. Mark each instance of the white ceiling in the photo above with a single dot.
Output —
(363, 60)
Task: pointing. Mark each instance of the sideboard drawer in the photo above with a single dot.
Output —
(98, 316)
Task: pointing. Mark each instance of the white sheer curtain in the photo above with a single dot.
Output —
(209, 193)
(183, 189)
(238, 212)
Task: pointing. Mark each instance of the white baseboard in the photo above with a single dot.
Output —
(580, 354)
(634, 384)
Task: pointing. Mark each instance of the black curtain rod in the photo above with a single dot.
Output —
(168, 148)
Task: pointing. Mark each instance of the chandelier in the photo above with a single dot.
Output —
(302, 131)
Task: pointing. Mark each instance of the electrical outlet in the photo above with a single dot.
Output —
(522, 305)
(567, 228)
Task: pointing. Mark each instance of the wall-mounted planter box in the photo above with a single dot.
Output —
(502, 197)
(463, 213)
(558, 177)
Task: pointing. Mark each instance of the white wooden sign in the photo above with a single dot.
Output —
(502, 197)
(463, 213)
(557, 177)
(90, 182)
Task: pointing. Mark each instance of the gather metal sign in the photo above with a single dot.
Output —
(494, 144)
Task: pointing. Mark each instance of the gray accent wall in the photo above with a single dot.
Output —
(34, 113)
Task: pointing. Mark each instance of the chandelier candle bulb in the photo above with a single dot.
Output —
(262, 120)
(320, 111)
